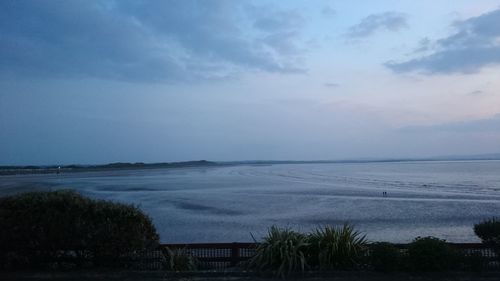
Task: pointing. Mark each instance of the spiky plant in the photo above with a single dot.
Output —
(179, 260)
(282, 252)
(336, 248)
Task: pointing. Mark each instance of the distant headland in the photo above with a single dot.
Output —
(48, 169)
(16, 170)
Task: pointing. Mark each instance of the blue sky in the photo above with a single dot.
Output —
(106, 81)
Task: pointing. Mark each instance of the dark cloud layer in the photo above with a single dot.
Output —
(141, 40)
(391, 21)
(279, 31)
(474, 46)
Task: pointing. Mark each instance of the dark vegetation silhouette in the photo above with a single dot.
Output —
(61, 228)
(489, 233)
(38, 227)
(431, 254)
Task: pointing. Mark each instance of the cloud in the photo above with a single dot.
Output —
(476, 93)
(331, 85)
(267, 19)
(480, 125)
(391, 21)
(474, 45)
(140, 40)
(423, 45)
(328, 12)
(278, 30)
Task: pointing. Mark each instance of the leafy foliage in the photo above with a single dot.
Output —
(282, 252)
(385, 257)
(38, 227)
(336, 248)
(431, 254)
(179, 260)
(489, 232)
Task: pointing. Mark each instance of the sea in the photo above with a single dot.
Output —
(386, 201)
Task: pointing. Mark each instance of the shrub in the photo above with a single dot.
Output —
(430, 254)
(385, 257)
(474, 261)
(336, 248)
(38, 227)
(282, 252)
(489, 233)
(179, 260)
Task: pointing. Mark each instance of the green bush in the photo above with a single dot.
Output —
(430, 254)
(179, 260)
(385, 257)
(282, 252)
(39, 227)
(336, 248)
(489, 232)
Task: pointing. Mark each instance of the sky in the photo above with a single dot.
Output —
(89, 82)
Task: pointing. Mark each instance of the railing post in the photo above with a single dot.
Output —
(235, 254)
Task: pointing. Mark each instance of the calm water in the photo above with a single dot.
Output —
(226, 204)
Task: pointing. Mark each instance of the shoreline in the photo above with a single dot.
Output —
(52, 169)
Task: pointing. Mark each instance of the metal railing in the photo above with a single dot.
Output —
(218, 256)
(232, 256)
(225, 256)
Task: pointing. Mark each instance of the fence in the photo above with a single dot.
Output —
(218, 256)
(225, 256)
(228, 256)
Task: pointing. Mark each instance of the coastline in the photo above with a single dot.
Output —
(53, 169)
(8, 170)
